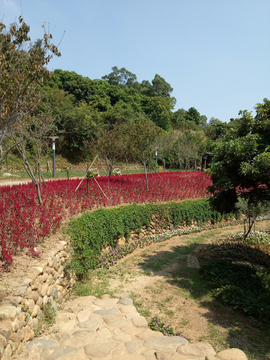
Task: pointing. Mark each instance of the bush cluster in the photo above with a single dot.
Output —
(255, 249)
(240, 286)
(96, 230)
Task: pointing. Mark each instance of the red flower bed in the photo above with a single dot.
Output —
(23, 222)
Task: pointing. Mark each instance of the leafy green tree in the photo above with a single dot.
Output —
(216, 129)
(189, 148)
(158, 110)
(166, 143)
(160, 87)
(82, 88)
(143, 135)
(193, 115)
(75, 124)
(120, 91)
(178, 118)
(242, 161)
(34, 134)
(251, 212)
(109, 145)
(22, 73)
(203, 122)
(213, 121)
(120, 77)
(121, 112)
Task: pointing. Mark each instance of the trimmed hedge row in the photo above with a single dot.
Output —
(96, 230)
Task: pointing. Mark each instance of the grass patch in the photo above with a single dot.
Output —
(97, 284)
(139, 304)
(218, 340)
(169, 313)
(46, 320)
(184, 321)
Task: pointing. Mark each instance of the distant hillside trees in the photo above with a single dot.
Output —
(83, 108)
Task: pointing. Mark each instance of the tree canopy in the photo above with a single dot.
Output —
(241, 164)
(22, 73)
(120, 77)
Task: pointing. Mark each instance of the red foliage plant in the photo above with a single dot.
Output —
(24, 223)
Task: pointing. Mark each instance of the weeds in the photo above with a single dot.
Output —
(46, 320)
(139, 304)
(158, 325)
(185, 321)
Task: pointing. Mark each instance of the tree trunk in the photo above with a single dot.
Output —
(29, 171)
(32, 176)
(250, 224)
(38, 192)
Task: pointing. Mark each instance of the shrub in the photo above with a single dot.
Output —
(96, 230)
(238, 286)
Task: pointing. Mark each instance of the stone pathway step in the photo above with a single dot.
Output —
(88, 328)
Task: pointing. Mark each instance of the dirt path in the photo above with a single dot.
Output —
(165, 281)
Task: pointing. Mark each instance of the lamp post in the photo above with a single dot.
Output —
(156, 158)
(53, 148)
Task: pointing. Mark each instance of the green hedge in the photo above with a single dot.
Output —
(95, 230)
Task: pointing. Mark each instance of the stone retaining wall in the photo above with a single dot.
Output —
(20, 313)
(156, 226)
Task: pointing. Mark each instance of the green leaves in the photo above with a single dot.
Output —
(96, 230)
(242, 159)
(239, 286)
(21, 74)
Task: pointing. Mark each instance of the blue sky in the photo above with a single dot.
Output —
(214, 53)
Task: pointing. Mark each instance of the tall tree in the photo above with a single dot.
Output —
(143, 135)
(21, 75)
(242, 160)
(109, 145)
(203, 121)
(178, 118)
(120, 77)
(216, 128)
(158, 110)
(34, 136)
(193, 115)
(160, 87)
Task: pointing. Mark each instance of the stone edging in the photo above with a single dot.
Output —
(19, 313)
(112, 329)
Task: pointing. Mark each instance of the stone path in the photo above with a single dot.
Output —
(88, 328)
